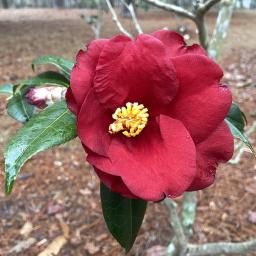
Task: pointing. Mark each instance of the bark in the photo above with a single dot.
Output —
(5, 4)
(221, 29)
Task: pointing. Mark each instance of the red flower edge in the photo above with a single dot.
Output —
(185, 138)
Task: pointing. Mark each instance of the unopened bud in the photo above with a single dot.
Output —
(45, 96)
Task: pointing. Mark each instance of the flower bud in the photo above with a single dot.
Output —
(45, 96)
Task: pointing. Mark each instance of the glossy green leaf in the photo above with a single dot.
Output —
(18, 107)
(123, 216)
(6, 89)
(236, 117)
(53, 126)
(240, 135)
(48, 77)
(64, 65)
(236, 121)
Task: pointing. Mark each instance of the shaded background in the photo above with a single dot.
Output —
(57, 191)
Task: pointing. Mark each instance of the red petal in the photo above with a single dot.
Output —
(176, 44)
(115, 183)
(135, 71)
(71, 102)
(92, 125)
(84, 70)
(216, 148)
(201, 104)
(158, 162)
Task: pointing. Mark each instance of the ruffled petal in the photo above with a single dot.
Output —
(159, 162)
(114, 183)
(135, 71)
(176, 45)
(217, 148)
(83, 72)
(201, 103)
(71, 102)
(92, 125)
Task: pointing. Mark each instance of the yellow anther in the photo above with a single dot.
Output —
(130, 120)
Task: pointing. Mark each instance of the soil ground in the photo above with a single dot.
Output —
(58, 186)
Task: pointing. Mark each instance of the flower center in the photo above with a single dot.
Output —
(131, 119)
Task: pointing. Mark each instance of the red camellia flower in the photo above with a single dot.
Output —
(150, 114)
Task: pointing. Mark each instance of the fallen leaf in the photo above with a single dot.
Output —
(65, 229)
(85, 192)
(252, 217)
(26, 229)
(22, 245)
(54, 208)
(101, 237)
(91, 248)
(157, 250)
(54, 247)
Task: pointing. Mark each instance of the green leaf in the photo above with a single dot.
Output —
(236, 117)
(49, 77)
(64, 65)
(123, 216)
(239, 134)
(6, 89)
(18, 107)
(53, 126)
(236, 121)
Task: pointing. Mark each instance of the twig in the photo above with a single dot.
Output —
(181, 240)
(222, 247)
(172, 8)
(202, 30)
(221, 28)
(189, 212)
(130, 7)
(208, 5)
(116, 20)
(198, 15)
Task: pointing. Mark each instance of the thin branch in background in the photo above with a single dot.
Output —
(202, 30)
(181, 240)
(208, 5)
(198, 15)
(222, 247)
(221, 28)
(172, 8)
(130, 7)
(188, 214)
(116, 20)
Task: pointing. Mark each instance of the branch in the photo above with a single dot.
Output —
(222, 247)
(189, 212)
(172, 8)
(133, 15)
(116, 20)
(177, 227)
(221, 28)
(202, 31)
(208, 5)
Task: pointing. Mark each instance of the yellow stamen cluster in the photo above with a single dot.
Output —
(131, 119)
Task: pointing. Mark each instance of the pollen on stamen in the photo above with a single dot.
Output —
(129, 120)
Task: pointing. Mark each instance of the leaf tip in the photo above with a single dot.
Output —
(8, 186)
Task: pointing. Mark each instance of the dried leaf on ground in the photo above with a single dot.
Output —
(22, 246)
(54, 247)
(26, 229)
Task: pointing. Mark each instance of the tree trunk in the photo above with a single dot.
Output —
(241, 4)
(221, 29)
(5, 4)
(253, 4)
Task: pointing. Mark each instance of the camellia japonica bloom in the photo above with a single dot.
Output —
(150, 114)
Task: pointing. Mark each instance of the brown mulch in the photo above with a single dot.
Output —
(57, 192)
